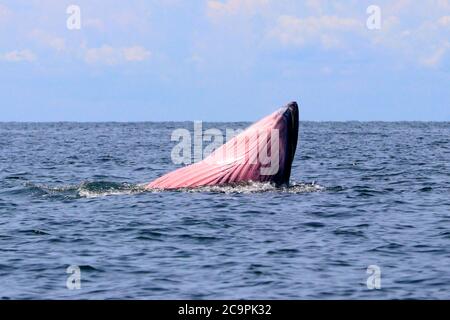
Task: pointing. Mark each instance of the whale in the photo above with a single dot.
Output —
(263, 152)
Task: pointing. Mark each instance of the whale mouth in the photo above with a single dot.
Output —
(262, 153)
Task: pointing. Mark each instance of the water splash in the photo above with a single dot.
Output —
(257, 187)
(85, 190)
(105, 188)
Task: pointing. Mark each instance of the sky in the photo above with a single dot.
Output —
(227, 60)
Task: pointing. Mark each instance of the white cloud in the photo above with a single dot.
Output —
(136, 53)
(94, 23)
(443, 4)
(54, 42)
(436, 58)
(18, 56)
(110, 56)
(104, 55)
(420, 41)
(315, 5)
(290, 30)
(5, 13)
(196, 59)
(218, 9)
(409, 29)
(127, 19)
(444, 21)
(396, 7)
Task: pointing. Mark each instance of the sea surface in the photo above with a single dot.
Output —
(363, 194)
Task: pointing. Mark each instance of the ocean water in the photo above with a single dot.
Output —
(362, 194)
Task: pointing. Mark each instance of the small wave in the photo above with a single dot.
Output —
(257, 187)
(104, 188)
(85, 190)
(66, 191)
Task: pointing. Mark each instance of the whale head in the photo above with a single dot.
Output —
(262, 153)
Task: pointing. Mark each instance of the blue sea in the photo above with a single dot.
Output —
(363, 194)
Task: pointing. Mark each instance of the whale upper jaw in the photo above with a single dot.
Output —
(234, 161)
(291, 118)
